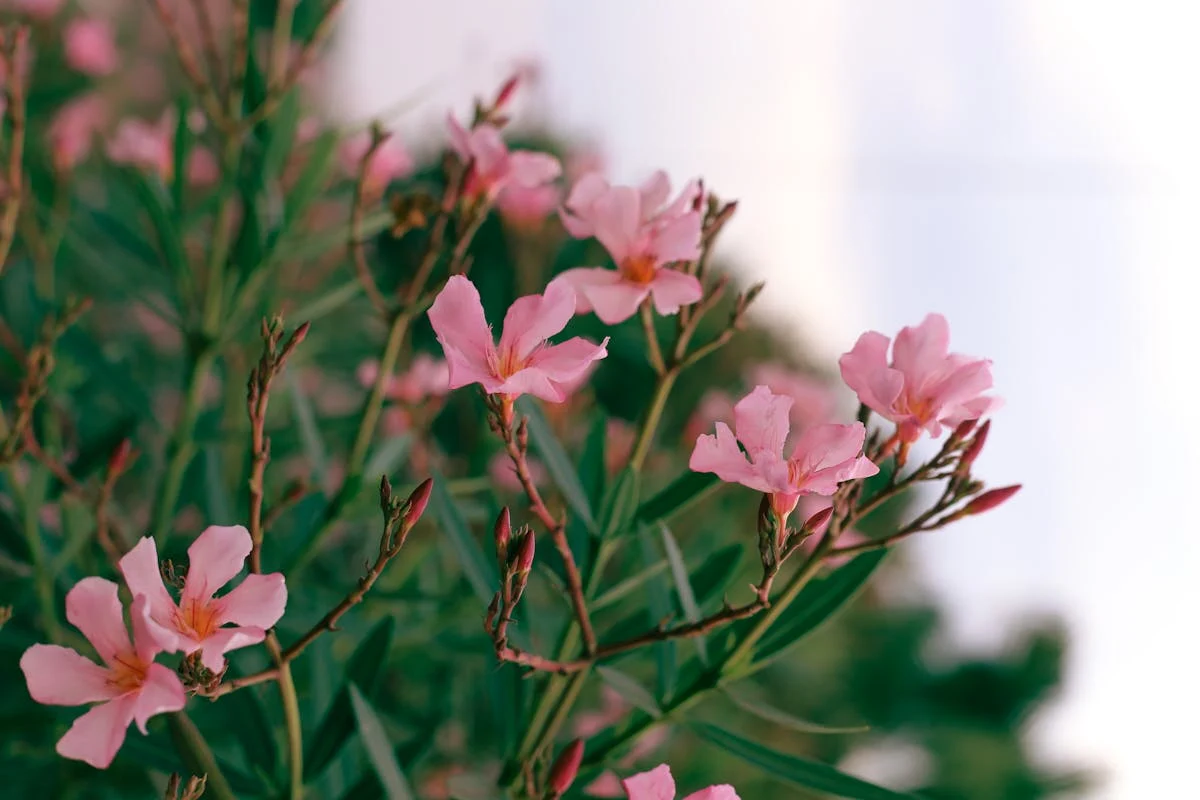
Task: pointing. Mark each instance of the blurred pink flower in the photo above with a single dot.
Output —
(151, 147)
(589, 724)
(657, 784)
(214, 559)
(824, 455)
(527, 207)
(715, 406)
(504, 475)
(90, 47)
(42, 9)
(494, 167)
(925, 386)
(74, 128)
(390, 162)
(129, 688)
(812, 400)
(643, 234)
(202, 167)
(524, 362)
(426, 377)
(621, 436)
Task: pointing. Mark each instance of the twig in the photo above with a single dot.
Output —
(208, 43)
(357, 212)
(15, 53)
(201, 84)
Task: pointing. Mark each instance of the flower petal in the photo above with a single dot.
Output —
(865, 370)
(584, 280)
(529, 169)
(460, 140)
(654, 192)
(217, 644)
(721, 456)
(58, 676)
(143, 576)
(762, 421)
(458, 320)
(566, 362)
(161, 692)
(657, 784)
(679, 239)
(96, 736)
(824, 446)
(94, 607)
(672, 289)
(921, 350)
(214, 559)
(533, 319)
(616, 221)
(259, 601)
(721, 792)
(151, 637)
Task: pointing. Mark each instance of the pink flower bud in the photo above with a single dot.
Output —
(506, 92)
(818, 520)
(119, 460)
(524, 560)
(963, 430)
(503, 533)
(975, 447)
(417, 501)
(565, 768)
(990, 499)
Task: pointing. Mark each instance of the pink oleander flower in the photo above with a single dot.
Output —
(390, 162)
(42, 9)
(823, 456)
(494, 167)
(657, 784)
(73, 129)
(613, 710)
(90, 48)
(643, 234)
(151, 147)
(527, 207)
(196, 622)
(813, 401)
(925, 386)
(524, 362)
(130, 687)
(427, 377)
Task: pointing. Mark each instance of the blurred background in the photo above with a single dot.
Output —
(1026, 167)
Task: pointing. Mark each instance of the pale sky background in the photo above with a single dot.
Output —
(1027, 167)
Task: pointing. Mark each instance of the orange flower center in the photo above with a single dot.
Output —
(128, 673)
(198, 617)
(796, 476)
(919, 407)
(506, 364)
(639, 269)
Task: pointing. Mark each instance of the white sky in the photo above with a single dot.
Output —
(1027, 167)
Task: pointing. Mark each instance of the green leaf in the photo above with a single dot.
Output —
(683, 586)
(557, 462)
(328, 302)
(620, 590)
(816, 603)
(157, 752)
(306, 420)
(312, 179)
(797, 771)
(620, 504)
(480, 571)
(786, 720)
(387, 456)
(254, 731)
(151, 195)
(283, 133)
(659, 608)
(220, 504)
(685, 490)
(363, 670)
(630, 690)
(182, 146)
(379, 749)
(593, 464)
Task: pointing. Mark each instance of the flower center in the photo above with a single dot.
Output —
(198, 617)
(796, 475)
(505, 364)
(915, 406)
(127, 673)
(639, 269)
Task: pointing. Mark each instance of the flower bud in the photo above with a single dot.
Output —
(990, 499)
(818, 520)
(524, 558)
(119, 459)
(503, 534)
(385, 495)
(417, 501)
(975, 447)
(565, 768)
(963, 430)
(506, 92)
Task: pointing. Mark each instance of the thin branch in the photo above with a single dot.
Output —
(16, 55)
(208, 42)
(357, 213)
(201, 83)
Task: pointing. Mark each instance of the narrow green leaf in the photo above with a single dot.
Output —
(306, 420)
(182, 147)
(683, 586)
(328, 302)
(658, 608)
(283, 133)
(816, 603)
(157, 752)
(387, 456)
(593, 464)
(379, 749)
(630, 690)
(772, 714)
(620, 590)
(151, 194)
(557, 462)
(254, 731)
(620, 504)
(220, 504)
(688, 488)
(363, 670)
(797, 771)
(480, 570)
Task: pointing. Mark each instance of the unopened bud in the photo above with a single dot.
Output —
(524, 559)
(503, 534)
(385, 495)
(963, 430)
(565, 768)
(818, 520)
(506, 92)
(493, 608)
(975, 447)
(990, 499)
(417, 501)
(766, 517)
(119, 459)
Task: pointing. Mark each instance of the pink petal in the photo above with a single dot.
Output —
(216, 645)
(964, 384)
(654, 192)
(865, 370)
(143, 576)
(214, 559)
(488, 149)
(657, 784)
(160, 693)
(576, 212)
(258, 601)
(616, 221)
(921, 350)
(529, 169)
(721, 792)
(96, 736)
(679, 239)
(529, 381)
(672, 289)
(762, 421)
(533, 319)
(58, 676)
(682, 204)
(94, 607)
(459, 138)
(583, 279)
(461, 328)
(824, 446)
(151, 637)
(564, 363)
(721, 456)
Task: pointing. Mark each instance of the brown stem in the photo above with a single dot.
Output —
(201, 84)
(208, 42)
(357, 213)
(15, 54)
